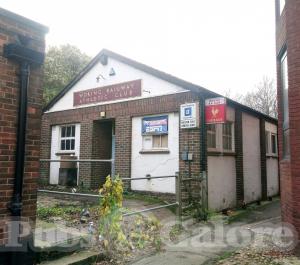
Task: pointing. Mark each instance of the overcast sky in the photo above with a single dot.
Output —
(218, 44)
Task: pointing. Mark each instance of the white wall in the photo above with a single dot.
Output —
(221, 182)
(155, 164)
(272, 166)
(251, 155)
(151, 86)
(55, 148)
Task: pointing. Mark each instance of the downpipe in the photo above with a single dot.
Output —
(16, 204)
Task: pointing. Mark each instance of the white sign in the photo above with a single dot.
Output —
(189, 115)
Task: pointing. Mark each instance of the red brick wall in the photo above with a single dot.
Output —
(288, 33)
(10, 25)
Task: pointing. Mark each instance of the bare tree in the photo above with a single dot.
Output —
(263, 98)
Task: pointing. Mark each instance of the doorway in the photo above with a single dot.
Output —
(103, 148)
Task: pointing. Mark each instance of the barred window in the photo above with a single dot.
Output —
(211, 136)
(67, 138)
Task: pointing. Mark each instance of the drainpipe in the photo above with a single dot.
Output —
(203, 154)
(25, 57)
(16, 203)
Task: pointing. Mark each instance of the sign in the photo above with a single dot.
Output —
(215, 110)
(108, 93)
(155, 125)
(189, 115)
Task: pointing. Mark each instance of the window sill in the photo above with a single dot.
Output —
(272, 156)
(65, 153)
(220, 153)
(155, 151)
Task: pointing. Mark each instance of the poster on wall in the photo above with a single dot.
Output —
(189, 115)
(215, 110)
(155, 125)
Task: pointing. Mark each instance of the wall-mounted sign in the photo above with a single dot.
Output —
(109, 93)
(215, 110)
(155, 125)
(189, 115)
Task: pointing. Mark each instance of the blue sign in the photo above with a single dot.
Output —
(155, 125)
(188, 112)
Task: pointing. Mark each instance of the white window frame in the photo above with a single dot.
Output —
(219, 139)
(150, 146)
(269, 144)
(67, 138)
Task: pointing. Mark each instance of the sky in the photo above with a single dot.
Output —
(223, 45)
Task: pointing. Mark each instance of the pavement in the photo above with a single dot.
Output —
(209, 241)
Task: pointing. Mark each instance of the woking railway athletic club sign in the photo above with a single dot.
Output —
(108, 93)
(215, 110)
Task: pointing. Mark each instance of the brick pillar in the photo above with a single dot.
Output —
(45, 152)
(239, 157)
(263, 159)
(86, 136)
(123, 129)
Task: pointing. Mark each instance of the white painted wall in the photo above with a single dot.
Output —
(272, 166)
(251, 155)
(151, 86)
(155, 164)
(55, 148)
(221, 182)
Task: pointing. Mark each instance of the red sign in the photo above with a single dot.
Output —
(215, 110)
(108, 93)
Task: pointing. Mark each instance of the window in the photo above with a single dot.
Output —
(67, 138)
(274, 143)
(271, 143)
(227, 136)
(220, 137)
(285, 104)
(267, 141)
(211, 136)
(160, 141)
(281, 5)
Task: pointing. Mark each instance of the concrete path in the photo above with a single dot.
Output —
(213, 239)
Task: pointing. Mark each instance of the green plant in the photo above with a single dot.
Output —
(111, 215)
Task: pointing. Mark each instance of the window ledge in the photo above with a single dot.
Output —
(219, 153)
(272, 156)
(155, 151)
(65, 153)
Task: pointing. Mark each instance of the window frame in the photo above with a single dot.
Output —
(285, 103)
(211, 133)
(65, 138)
(220, 140)
(160, 137)
(269, 143)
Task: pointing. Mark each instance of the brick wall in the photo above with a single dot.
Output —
(10, 26)
(288, 35)
(121, 114)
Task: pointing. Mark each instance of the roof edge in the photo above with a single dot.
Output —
(24, 20)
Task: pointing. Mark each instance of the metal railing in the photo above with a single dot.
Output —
(178, 180)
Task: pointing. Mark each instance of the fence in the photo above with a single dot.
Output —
(177, 177)
(198, 202)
